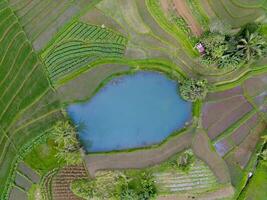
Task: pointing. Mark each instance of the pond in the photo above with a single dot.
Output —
(129, 112)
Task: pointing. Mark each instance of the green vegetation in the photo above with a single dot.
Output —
(78, 46)
(43, 158)
(184, 161)
(193, 90)
(257, 187)
(34, 193)
(233, 51)
(67, 144)
(145, 39)
(117, 185)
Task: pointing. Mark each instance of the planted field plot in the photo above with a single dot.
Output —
(46, 184)
(18, 193)
(41, 20)
(22, 83)
(147, 38)
(234, 14)
(256, 90)
(251, 3)
(198, 180)
(61, 182)
(80, 45)
(236, 139)
(219, 115)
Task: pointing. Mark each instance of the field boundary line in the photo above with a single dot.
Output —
(33, 121)
(13, 64)
(17, 74)
(235, 126)
(19, 89)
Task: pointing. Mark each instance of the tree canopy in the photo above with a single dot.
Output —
(193, 89)
(67, 144)
(233, 50)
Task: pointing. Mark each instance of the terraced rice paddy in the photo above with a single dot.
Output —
(80, 45)
(54, 53)
(199, 178)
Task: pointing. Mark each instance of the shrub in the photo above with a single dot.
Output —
(193, 90)
(67, 144)
(233, 51)
(116, 185)
(83, 188)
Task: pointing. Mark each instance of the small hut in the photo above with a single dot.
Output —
(200, 48)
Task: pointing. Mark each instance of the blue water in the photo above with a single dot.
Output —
(131, 111)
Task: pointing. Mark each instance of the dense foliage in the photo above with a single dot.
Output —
(116, 185)
(233, 50)
(184, 161)
(67, 144)
(193, 90)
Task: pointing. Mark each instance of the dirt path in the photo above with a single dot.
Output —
(185, 12)
(221, 193)
(141, 158)
(203, 149)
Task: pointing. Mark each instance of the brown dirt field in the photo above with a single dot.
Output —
(22, 182)
(61, 182)
(29, 172)
(17, 194)
(212, 111)
(202, 148)
(224, 94)
(139, 158)
(246, 148)
(184, 11)
(165, 5)
(223, 146)
(242, 132)
(97, 17)
(256, 85)
(230, 118)
(84, 85)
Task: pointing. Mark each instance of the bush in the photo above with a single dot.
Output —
(233, 51)
(184, 161)
(67, 144)
(193, 90)
(143, 184)
(116, 185)
(83, 188)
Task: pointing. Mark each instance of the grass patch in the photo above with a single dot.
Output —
(42, 157)
(257, 187)
(34, 192)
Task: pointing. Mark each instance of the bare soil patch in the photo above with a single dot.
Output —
(139, 158)
(184, 11)
(214, 111)
(203, 149)
(236, 91)
(22, 182)
(61, 182)
(17, 194)
(29, 172)
(246, 148)
(228, 119)
(223, 146)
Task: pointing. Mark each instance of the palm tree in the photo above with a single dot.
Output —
(67, 144)
(251, 45)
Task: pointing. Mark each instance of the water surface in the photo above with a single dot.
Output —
(129, 112)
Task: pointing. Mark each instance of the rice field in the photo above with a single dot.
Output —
(80, 45)
(199, 179)
(57, 52)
